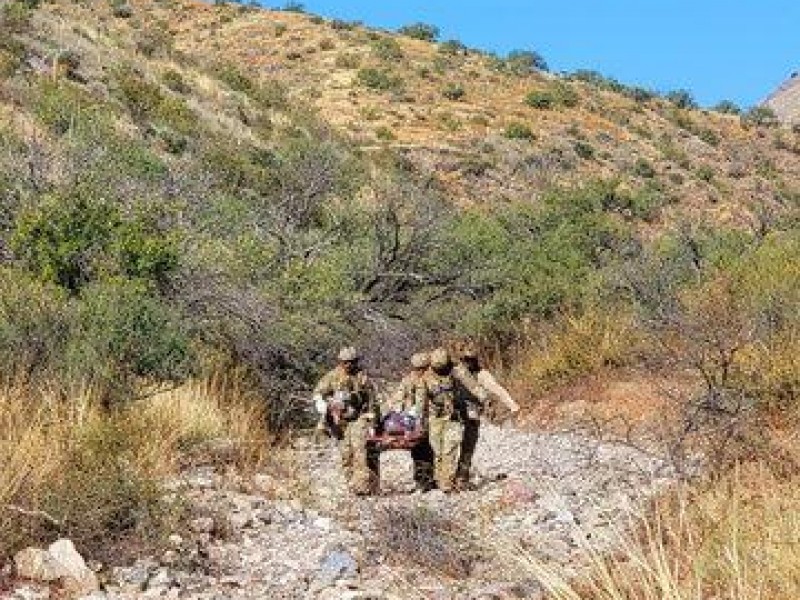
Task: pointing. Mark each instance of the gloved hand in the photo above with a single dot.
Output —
(412, 412)
(320, 404)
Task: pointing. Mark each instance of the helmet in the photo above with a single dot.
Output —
(439, 358)
(469, 350)
(348, 354)
(420, 360)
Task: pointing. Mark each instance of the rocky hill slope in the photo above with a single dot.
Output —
(488, 129)
(785, 101)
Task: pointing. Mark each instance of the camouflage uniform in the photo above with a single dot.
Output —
(411, 396)
(448, 393)
(474, 409)
(353, 422)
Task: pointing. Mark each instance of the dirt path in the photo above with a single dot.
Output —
(539, 495)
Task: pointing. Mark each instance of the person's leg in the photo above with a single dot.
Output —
(422, 455)
(468, 445)
(436, 441)
(452, 436)
(346, 452)
(365, 462)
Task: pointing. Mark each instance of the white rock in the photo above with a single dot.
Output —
(37, 565)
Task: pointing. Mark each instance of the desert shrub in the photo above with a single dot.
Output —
(584, 150)
(557, 94)
(452, 48)
(454, 91)
(175, 81)
(341, 25)
(296, 7)
(378, 79)
(518, 131)
(387, 49)
(524, 62)
(348, 61)
(726, 107)
(75, 239)
(761, 116)
(420, 31)
(643, 168)
(154, 41)
(63, 108)
(681, 99)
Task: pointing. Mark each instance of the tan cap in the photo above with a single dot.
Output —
(420, 360)
(440, 358)
(348, 354)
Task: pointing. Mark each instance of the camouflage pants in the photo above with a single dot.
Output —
(445, 436)
(468, 445)
(422, 455)
(361, 465)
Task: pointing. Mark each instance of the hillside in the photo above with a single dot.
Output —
(785, 101)
(449, 110)
(200, 204)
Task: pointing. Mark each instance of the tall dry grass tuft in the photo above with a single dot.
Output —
(577, 345)
(72, 469)
(735, 538)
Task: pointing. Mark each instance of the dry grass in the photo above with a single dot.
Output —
(72, 469)
(736, 538)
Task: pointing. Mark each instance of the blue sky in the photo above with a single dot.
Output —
(737, 50)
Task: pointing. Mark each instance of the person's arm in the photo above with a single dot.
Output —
(489, 383)
(475, 389)
(322, 391)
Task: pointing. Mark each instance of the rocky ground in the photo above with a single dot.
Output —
(539, 497)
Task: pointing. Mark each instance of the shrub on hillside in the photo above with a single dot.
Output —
(454, 91)
(518, 131)
(682, 99)
(387, 49)
(378, 79)
(760, 116)
(726, 107)
(524, 62)
(420, 31)
(557, 94)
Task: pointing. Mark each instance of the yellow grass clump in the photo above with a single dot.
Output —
(71, 468)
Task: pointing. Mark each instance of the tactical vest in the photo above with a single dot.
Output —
(354, 393)
(443, 396)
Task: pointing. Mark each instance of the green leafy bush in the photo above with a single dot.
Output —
(518, 131)
(378, 79)
(454, 91)
(524, 62)
(420, 31)
(387, 49)
(557, 94)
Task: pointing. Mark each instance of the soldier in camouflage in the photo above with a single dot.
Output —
(411, 398)
(470, 366)
(448, 393)
(346, 397)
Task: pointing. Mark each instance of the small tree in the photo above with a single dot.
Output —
(525, 62)
(421, 31)
(726, 107)
(761, 116)
(682, 99)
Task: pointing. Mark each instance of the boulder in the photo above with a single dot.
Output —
(60, 563)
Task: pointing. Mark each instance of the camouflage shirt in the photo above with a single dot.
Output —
(356, 392)
(451, 395)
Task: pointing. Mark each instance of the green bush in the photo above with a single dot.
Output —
(454, 91)
(387, 49)
(519, 131)
(557, 94)
(524, 62)
(75, 239)
(643, 168)
(453, 48)
(378, 79)
(726, 107)
(682, 99)
(420, 31)
(761, 116)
